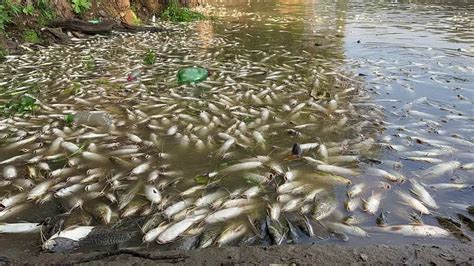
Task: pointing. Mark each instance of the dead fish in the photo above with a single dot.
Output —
(416, 230)
(337, 170)
(372, 204)
(241, 167)
(19, 227)
(347, 229)
(176, 229)
(423, 194)
(448, 224)
(412, 202)
(231, 234)
(226, 214)
(439, 169)
(277, 232)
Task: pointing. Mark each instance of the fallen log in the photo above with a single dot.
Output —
(85, 26)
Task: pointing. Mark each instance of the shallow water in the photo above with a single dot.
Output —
(265, 57)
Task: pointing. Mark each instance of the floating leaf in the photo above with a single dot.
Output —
(201, 179)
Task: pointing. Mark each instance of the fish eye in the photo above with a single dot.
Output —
(155, 191)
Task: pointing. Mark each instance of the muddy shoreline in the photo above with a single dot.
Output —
(300, 254)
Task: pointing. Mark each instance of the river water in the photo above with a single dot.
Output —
(376, 94)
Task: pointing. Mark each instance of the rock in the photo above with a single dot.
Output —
(102, 13)
(364, 257)
(123, 5)
(130, 18)
(152, 5)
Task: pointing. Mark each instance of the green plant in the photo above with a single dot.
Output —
(28, 9)
(4, 17)
(81, 5)
(31, 36)
(69, 119)
(7, 10)
(150, 57)
(24, 105)
(3, 54)
(47, 13)
(176, 13)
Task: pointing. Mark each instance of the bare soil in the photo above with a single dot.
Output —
(289, 254)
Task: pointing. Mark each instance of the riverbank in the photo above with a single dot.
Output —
(24, 25)
(289, 254)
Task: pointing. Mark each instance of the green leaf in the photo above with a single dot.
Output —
(201, 179)
(69, 119)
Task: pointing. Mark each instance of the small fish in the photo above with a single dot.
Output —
(337, 170)
(423, 194)
(277, 232)
(231, 234)
(372, 204)
(414, 203)
(355, 190)
(153, 194)
(417, 230)
(347, 229)
(323, 208)
(19, 227)
(450, 185)
(241, 167)
(152, 234)
(176, 229)
(226, 214)
(439, 169)
(60, 244)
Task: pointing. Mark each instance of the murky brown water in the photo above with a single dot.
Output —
(276, 65)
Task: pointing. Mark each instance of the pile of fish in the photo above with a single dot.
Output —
(272, 148)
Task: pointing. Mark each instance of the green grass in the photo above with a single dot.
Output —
(31, 36)
(176, 13)
(40, 9)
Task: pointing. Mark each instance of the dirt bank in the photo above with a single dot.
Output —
(299, 254)
(28, 27)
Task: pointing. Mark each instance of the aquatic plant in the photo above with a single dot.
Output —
(176, 13)
(80, 6)
(150, 57)
(31, 36)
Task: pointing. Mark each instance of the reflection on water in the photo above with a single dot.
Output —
(378, 98)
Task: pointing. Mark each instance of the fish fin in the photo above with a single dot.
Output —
(412, 191)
